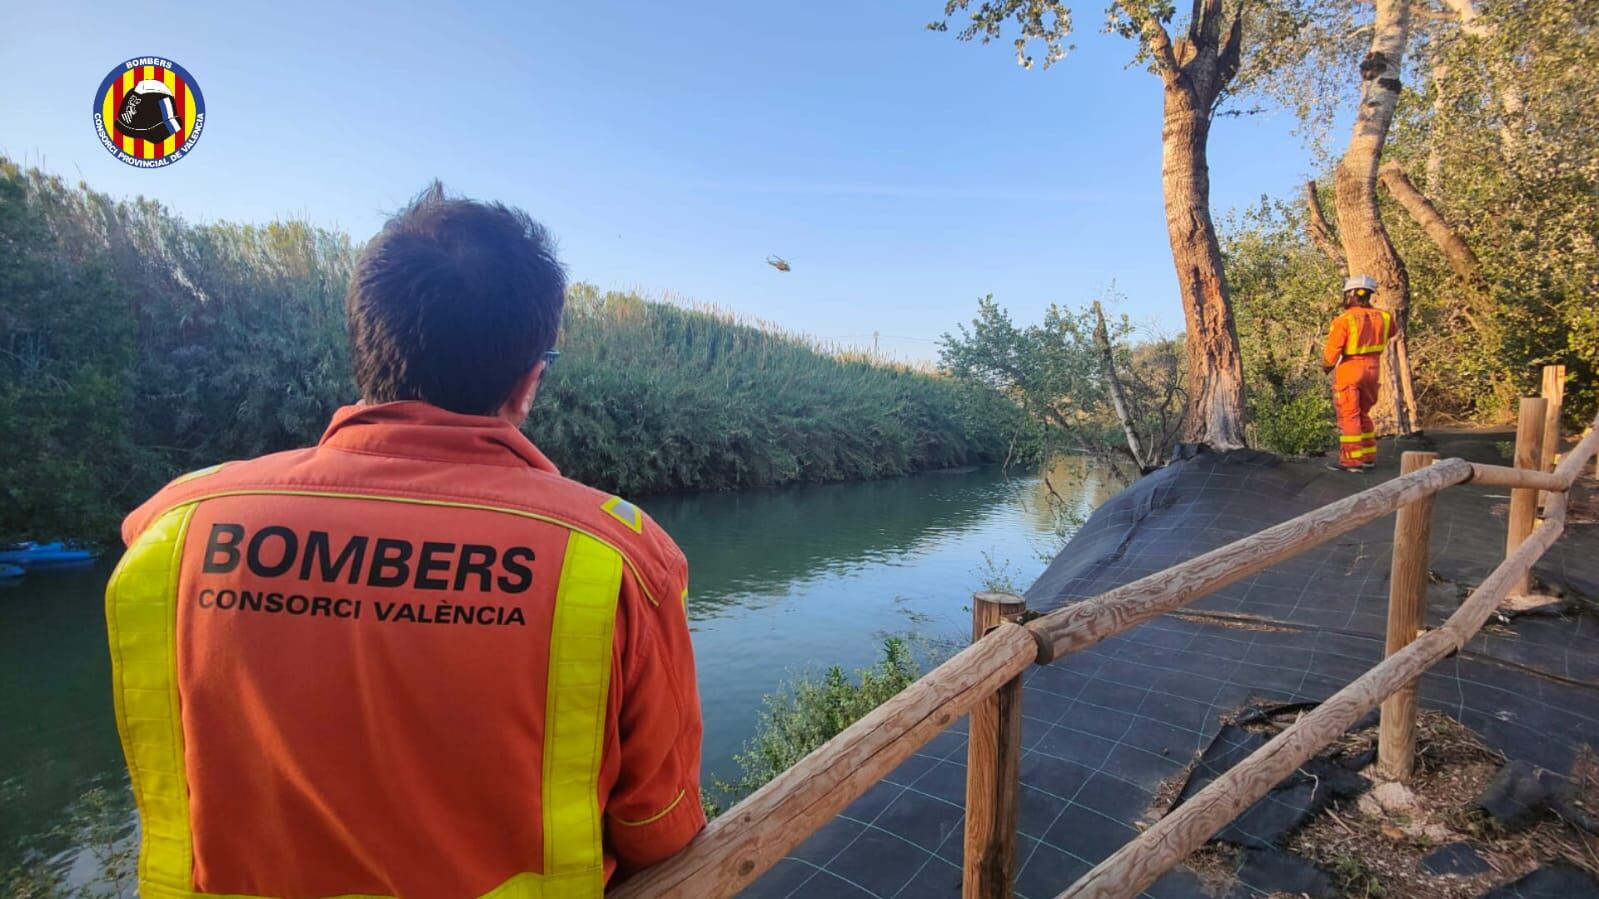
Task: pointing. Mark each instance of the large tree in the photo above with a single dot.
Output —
(1367, 247)
(1197, 71)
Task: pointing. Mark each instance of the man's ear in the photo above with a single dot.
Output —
(517, 406)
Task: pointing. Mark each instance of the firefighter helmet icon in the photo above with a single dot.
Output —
(149, 112)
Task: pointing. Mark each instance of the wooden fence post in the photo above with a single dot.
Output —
(1554, 393)
(1524, 501)
(1407, 599)
(993, 763)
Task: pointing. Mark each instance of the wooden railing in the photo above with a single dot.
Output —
(984, 681)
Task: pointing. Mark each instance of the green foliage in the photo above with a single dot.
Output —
(1295, 425)
(1499, 135)
(998, 575)
(810, 711)
(135, 346)
(1284, 298)
(1056, 374)
(1049, 21)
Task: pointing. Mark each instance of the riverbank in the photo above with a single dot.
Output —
(1106, 729)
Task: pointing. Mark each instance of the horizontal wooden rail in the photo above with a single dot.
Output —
(1085, 623)
(750, 837)
(1505, 476)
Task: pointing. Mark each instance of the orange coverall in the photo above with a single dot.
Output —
(1354, 352)
(412, 660)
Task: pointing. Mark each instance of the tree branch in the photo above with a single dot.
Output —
(1107, 358)
(1459, 254)
(1230, 57)
(1155, 38)
(1321, 232)
(1204, 25)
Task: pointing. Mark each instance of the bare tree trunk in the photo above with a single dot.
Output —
(1366, 243)
(1135, 446)
(1194, 71)
(1321, 233)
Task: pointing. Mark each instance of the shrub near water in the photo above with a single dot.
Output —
(810, 711)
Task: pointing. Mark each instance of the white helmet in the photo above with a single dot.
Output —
(1360, 282)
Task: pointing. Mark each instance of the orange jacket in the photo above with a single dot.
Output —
(333, 671)
(1357, 331)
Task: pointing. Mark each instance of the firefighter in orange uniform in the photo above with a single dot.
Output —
(412, 660)
(1353, 355)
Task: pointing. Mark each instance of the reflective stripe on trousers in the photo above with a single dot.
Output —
(1354, 393)
(141, 622)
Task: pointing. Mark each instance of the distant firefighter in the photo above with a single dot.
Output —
(778, 263)
(1353, 355)
(148, 112)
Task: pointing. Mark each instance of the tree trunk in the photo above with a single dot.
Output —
(1135, 446)
(1366, 243)
(1215, 367)
(1194, 70)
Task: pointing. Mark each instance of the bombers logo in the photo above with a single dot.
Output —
(149, 112)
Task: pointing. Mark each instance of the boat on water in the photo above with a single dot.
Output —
(30, 556)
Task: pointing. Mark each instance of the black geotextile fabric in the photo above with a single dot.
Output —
(1104, 727)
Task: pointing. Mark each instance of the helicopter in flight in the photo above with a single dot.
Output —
(778, 263)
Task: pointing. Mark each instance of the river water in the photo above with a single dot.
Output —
(782, 582)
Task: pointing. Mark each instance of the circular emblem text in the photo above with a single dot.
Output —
(149, 112)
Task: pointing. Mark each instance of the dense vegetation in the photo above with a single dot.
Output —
(650, 396)
(135, 346)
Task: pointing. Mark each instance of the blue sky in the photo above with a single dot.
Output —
(672, 147)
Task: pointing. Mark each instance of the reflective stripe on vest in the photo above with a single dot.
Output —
(141, 623)
(1354, 346)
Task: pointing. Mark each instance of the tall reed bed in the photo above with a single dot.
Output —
(651, 396)
(135, 345)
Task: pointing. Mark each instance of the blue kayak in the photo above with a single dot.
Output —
(44, 555)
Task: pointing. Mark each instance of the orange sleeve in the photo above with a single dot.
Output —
(1337, 339)
(654, 807)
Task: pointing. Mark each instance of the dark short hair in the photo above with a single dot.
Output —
(453, 302)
